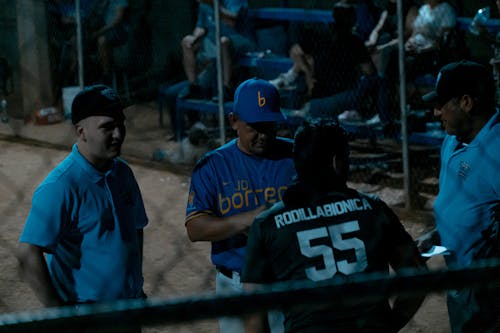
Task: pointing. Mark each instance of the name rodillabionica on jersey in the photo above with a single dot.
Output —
(326, 210)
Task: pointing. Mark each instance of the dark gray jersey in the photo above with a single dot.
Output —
(318, 237)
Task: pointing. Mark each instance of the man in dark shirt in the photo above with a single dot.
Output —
(345, 77)
(322, 229)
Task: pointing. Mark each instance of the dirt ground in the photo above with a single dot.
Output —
(173, 266)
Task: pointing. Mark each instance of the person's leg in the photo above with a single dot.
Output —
(105, 44)
(373, 88)
(459, 311)
(224, 285)
(233, 46)
(103, 52)
(189, 60)
(227, 61)
(303, 63)
(330, 107)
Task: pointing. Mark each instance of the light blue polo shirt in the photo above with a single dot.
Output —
(469, 190)
(88, 221)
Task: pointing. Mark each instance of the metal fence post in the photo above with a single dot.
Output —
(404, 109)
(220, 89)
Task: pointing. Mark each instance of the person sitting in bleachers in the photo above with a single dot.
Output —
(199, 53)
(435, 19)
(199, 47)
(346, 82)
(384, 38)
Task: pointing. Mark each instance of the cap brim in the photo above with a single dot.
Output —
(430, 97)
(264, 118)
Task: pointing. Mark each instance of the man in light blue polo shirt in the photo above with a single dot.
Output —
(87, 216)
(468, 204)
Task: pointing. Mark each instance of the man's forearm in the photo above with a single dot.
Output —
(35, 272)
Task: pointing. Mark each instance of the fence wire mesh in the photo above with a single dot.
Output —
(320, 68)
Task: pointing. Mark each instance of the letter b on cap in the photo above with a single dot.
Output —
(261, 100)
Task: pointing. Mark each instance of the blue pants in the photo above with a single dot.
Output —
(369, 97)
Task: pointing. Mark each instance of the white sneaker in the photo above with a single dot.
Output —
(349, 115)
(375, 120)
(303, 112)
(285, 80)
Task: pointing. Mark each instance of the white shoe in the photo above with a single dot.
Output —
(349, 115)
(375, 120)
(285, 80)
(298, 113)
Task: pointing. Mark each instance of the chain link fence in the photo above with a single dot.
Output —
(323, 56)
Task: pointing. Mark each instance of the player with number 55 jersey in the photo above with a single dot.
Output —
(323, 229)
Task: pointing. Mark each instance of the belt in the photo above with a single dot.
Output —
(226, 271)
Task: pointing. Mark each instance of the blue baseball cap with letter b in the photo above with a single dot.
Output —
(257, 100)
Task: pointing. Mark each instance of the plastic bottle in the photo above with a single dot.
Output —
(5, 115)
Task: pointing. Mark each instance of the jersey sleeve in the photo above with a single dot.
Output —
(48, 209)
(492, 154)
(202, 189)
(256, 267)
(402, 251)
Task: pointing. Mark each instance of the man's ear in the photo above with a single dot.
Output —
(467, 102)
(233, 119)
(80, 132)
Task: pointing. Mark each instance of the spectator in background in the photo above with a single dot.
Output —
(434, 20)
(105, 26)
(467, 207)
(199, 52)
(309, 40)
(346, 84)
(83, 238)
(112, 32)
(383, 39)
(199, 49)
(494, 41)
(319, 241)
(62, 31)
(366, 16)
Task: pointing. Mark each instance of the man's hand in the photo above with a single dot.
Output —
(427, 240)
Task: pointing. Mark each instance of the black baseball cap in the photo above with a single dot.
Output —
(461, 78)
(97, 100)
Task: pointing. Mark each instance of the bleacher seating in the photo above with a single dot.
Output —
(265, 61)
(206, 106)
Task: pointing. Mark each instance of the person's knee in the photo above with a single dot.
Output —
(186, 41)
(189, 44)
